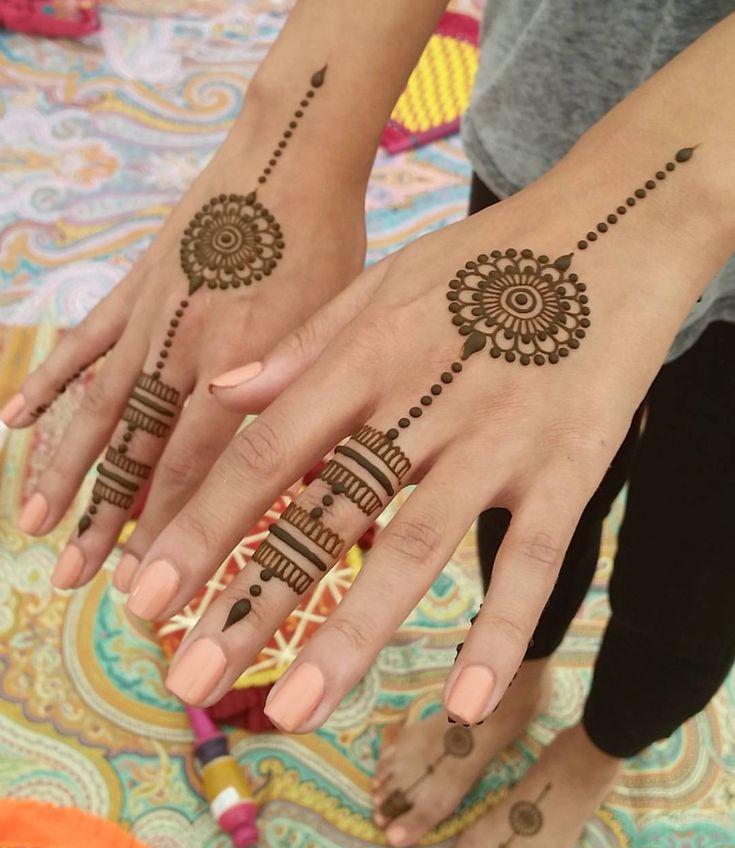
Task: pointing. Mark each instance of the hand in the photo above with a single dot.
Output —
(275, 240)
(446, 382)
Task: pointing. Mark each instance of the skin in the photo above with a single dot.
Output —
(536, 441)
(317, 196)
(553, 431)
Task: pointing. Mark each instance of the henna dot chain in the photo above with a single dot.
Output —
(522, 307)
(458, 742)
(44, 407)
(231, 242)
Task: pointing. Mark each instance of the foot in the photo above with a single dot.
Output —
(553, 802)
(418, 746)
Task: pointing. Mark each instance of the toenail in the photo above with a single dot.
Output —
(396, 834)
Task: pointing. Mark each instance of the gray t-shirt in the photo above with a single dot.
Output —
(549, 69)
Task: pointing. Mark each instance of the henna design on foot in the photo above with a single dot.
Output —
(232, 241)
(526, 818)
(458, 742)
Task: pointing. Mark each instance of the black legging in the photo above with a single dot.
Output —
(670, 641)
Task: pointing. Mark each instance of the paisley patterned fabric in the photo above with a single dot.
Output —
(97, 141)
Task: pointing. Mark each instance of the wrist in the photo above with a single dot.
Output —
(326, 155)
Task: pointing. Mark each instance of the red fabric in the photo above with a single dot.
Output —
(44, 17)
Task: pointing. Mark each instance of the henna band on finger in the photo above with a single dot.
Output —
(232, 241)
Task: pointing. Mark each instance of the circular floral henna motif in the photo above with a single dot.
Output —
(525, 818)
(458, 741)
(232, 241)
(528, 308)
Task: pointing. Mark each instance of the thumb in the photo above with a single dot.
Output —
(253, 386)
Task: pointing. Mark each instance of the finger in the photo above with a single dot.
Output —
(526, 567)
(312, 533)
(253, 386)
(262, 460)
(84, 438)
(149, 418)
(201, 434)
(77, 350)
(405, 561)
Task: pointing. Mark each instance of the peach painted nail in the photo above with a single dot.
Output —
(154, 590)
(34, 514)
(469, 697)
(195, 673)
(13, 409)
(296, 698)
(237, 376)
(69, 568)
(122, 577)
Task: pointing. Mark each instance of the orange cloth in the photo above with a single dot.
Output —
(30, 824)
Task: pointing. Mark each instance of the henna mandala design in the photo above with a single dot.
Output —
(234, 240)
(458, 741)
(526, 307)
(526, 818)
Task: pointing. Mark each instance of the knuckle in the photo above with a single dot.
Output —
(179, 469)
(508, 628)
(197, 529)
(302, 342)
(542, 548)
(414, 540)
(257, 449)
(96, 400)
(351, 632)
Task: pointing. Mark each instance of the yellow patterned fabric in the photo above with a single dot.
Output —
(439, 87)
(97, 141)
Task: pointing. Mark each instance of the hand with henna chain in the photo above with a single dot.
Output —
(497, 363)
(270, 231)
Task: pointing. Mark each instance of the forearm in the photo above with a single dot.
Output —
(688, 222)
(369, 48)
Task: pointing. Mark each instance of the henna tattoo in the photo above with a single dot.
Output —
(526, 818)
(276, 564)
(313, 529)
(458, 742)
(233, 241)
(526, 307)
(152, 406)
(354, 488)
(44, 407)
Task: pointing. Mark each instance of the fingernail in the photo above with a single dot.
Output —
(34, 514)
(237, 376)
(69, 568)
(469, 698)
(297, 696)
(396, 834)
(154, 590)
(195, 673)
(122, 577)
(13, 409)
